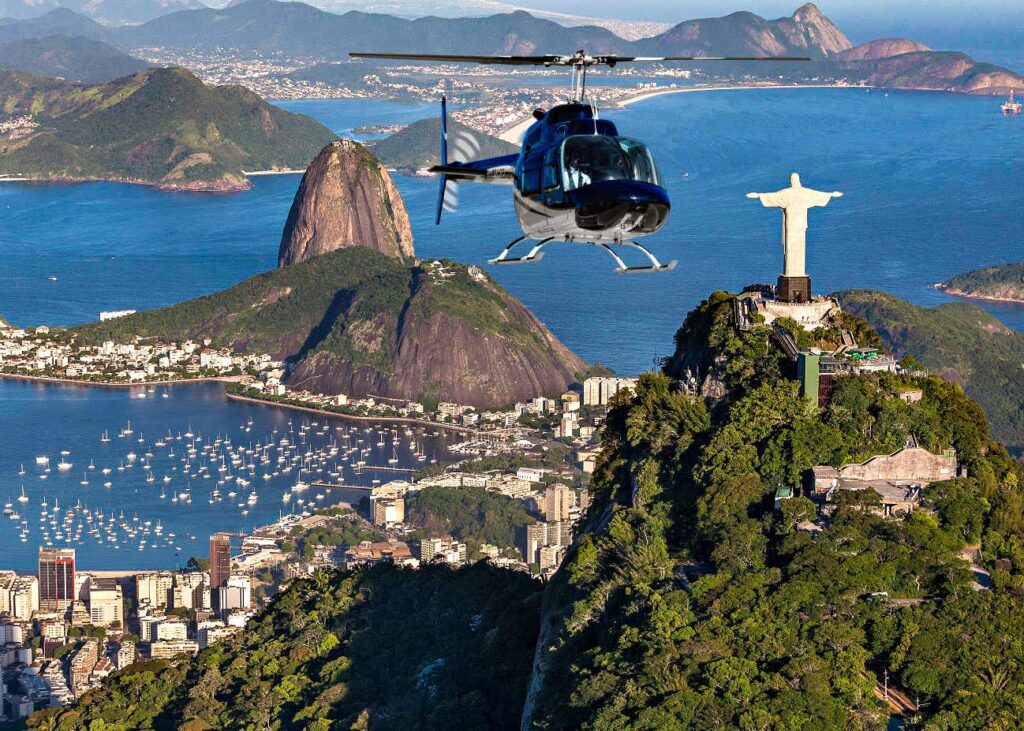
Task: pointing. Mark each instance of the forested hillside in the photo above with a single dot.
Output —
(692, 602)
(961, 342)
(384, 648)
(358, 322)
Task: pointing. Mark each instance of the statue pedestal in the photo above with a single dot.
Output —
(793, 289)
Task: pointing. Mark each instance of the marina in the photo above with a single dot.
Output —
(156, 476)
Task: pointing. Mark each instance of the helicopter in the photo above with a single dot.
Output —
(575, 179)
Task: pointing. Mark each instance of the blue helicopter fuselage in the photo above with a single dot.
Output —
(577, 179)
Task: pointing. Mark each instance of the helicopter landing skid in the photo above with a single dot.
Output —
(535, 254)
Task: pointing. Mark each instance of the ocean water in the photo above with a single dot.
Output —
(932, 187)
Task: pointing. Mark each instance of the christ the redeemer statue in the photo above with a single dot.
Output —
(794, 284)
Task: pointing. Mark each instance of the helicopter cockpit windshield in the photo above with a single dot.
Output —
(590, 159)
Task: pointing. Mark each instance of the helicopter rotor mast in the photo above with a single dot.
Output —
(579, 62)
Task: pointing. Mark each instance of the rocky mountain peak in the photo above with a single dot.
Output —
(346, 198)
(819, 32)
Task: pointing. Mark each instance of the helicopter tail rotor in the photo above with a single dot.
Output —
(464, 148)
(444, 201)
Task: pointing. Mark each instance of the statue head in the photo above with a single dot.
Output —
(794, 180)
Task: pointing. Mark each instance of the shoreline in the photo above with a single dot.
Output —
(206, 187)
(691, 89)
(515, 133)
(235, 397)
(262, 173)
(352, 417)
(115, 384)
(985, 298)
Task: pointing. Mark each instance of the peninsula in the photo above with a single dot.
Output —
(1003, 283)
(160, 127)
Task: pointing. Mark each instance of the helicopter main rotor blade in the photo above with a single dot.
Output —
(458, 58)
(639, 59)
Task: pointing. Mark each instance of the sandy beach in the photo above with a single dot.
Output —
(514, 134)
(257, 173)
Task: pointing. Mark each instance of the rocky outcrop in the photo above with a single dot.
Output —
(937, 71)
(358, 322)
(809, 28)
(882, 48)
(438, 350)
(346, 198)
(806, 32)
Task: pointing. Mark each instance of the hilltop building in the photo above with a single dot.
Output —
(898, 478)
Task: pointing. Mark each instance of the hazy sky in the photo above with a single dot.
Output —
(948, 23)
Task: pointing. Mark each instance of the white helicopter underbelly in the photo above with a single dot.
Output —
(539, 222)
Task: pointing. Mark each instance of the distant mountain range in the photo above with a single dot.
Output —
(298, 30)
(111, 12)
(807, 32)
(162, 127)
(56, 22)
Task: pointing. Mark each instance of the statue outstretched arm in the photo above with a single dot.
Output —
(820, 198)
(771, 200)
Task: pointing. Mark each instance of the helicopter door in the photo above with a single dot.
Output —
(530, 182)
(551, 179)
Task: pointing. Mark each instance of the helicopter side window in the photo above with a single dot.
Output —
(531, 178)
(640, 160)
(550, 178)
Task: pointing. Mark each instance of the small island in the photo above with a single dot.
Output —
(1003, 283)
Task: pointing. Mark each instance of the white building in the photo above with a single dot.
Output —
(106, 603)
(171, 629)
(599, 390)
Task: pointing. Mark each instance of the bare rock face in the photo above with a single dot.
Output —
(806, 32)
(458, 337)
(817, 31)
(883, 48)
(346, 199)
